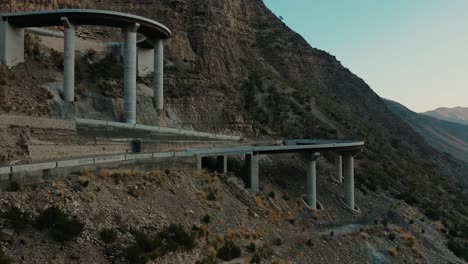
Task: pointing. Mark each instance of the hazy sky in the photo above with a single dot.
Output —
(411, 51)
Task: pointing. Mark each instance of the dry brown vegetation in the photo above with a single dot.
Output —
(211, 194)
(267, 206)
(393, 251)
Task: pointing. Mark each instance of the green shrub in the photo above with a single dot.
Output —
(229, 251)
(144, 242)
(108, 68)
(171, 239)
(206, 219)
(433, 214)
(257, 259)
(263, 253)
(278, 242)
(4, 259)
(251, 247)
(15, 187)
(212, 196)
(385, 222)
(17, 219)
(134, 254)
(108, 235)
(458, 248)
(62, 228)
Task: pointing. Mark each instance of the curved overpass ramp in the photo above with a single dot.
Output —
(12, 46)
(48, 18)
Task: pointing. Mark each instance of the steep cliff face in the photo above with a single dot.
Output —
(235, 65)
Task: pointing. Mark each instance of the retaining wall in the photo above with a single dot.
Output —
(39, 172)
(37, 122)
(112, 126)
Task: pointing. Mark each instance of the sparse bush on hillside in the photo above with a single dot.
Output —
(271, 195)
(263, 253)
(206, 219)
(136, 191)
(251, 247)
(4, 259)
(393, 251)
(277, 241)
(19, 220)
(56, 59)
(62, 227)
(108, 235)
(408, 239)
(83, 181)
(32, 45)
(201, 232)
(106, 68)
(147, 247)
(229, 251)
(459, 248)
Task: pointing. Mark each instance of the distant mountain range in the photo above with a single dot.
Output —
(446, 136)
(456, 114)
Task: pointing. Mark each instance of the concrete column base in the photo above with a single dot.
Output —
(251, 164)
(199, 163)
(348, 170)
(349, 179)
(158, 75)
(311, 184)
(222, 164)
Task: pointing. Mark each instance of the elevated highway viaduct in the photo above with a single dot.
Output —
(312, 149)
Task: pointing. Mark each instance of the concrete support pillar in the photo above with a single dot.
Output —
(130, 73)
(158, 75)
(222, 164)
(11, 44)
(311, 184)
(68, 61)
(199, 163)
(338, 168)
(348, 164)
(251, 162)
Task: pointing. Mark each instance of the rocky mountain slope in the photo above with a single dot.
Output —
(456, 114)
(128, 216)
(445, 136)
(234, 66)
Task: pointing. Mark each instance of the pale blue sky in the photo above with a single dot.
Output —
(411, 51)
